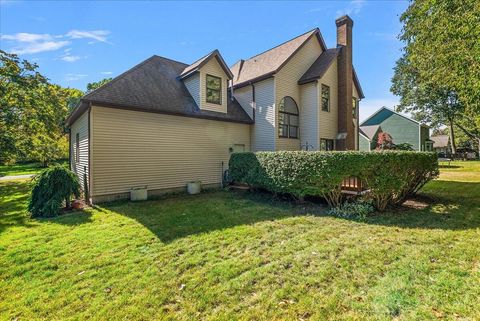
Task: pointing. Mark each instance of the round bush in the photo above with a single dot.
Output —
(52, 187)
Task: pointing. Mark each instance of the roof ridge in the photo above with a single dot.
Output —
(203, 57)
(285, 42)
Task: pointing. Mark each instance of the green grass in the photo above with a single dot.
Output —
(24, 168)
(227, 256)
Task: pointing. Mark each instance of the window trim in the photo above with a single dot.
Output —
(77, 148)
(287, 115)
(207, 89)
(321, 98)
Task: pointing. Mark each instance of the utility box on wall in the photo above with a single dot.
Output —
(138, 193)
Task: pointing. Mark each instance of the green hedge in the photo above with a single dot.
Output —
(390, 176)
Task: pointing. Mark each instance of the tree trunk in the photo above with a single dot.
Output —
(452, 136)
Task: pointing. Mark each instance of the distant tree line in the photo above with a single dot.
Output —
(32, 112)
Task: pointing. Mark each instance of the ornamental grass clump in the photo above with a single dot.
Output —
(54, 187)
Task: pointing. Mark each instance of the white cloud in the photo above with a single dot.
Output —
(30, 43)
(107, 72)
(73, 77)
(98, 35)
(69, 58)
(36, 47)
(354, 7)
(27, 37)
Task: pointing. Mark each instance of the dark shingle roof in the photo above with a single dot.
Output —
(270, 61)
(154, 86)
(320, 66)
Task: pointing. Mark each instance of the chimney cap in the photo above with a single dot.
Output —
(344, 20)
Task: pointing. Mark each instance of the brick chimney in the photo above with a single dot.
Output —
(346, 134)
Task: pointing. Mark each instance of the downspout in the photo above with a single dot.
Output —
(90, 153)
(254, 102)
(254, 111)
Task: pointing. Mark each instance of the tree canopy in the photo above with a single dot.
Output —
(32, 113)
(438, 75)
(442, 43)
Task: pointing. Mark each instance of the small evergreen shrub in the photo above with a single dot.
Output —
(390, 176)
(51, 188)
(353, 210)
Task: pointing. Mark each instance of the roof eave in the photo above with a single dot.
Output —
(254, 80)
(166, 112)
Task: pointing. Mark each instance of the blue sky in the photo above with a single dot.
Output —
(79, 42)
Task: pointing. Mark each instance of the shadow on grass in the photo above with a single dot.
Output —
(452, 206)
(448, 166)
(70, 218)
(13, 208)
(177, 217)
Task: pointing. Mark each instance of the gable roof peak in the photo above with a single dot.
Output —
(269, 62)
(189, 70)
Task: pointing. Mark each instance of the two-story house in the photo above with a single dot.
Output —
(164, 123)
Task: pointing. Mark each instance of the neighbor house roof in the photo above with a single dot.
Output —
(154, 86)
(369, 131)
(440, 141)
(388, 110)
(321, 65)
(271, 61)
(189, 70)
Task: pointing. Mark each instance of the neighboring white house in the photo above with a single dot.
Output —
(164, 123)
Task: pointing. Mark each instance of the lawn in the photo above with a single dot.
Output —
(228, 256)
(24, 168)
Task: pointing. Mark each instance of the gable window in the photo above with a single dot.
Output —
(77, 148)
(288, 118)
(325, 98)
(354, 107)
(327, 144)
(214, 90)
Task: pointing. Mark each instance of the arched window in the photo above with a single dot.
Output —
(288, 118)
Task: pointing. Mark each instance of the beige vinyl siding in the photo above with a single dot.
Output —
(244, 97)
(309, 116)
(213, 68)
(328, 121)
(80, 126)
(286, 84)
(134, 148)
(263, 131)
(193, 85)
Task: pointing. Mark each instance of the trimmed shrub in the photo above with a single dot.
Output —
(51, 188)
(390, 176)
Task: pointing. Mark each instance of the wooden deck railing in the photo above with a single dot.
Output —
(352, 184)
